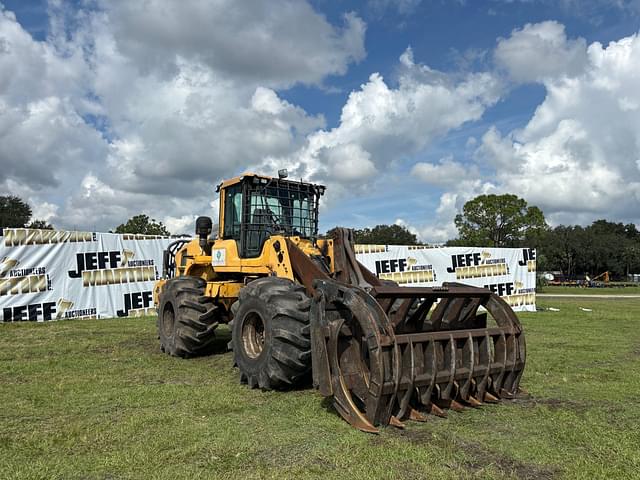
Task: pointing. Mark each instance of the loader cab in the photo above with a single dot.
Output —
(253, 207)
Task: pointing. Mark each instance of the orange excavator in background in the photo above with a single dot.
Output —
(598, 281)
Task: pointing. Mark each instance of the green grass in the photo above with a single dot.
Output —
(97, 400)
(634, 290)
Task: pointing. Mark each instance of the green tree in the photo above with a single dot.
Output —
(142, 224)
(40, 225)
(631, 257)
(385, 235)
(562, 247)
(600, 247)
(499, 221)
(14, 212)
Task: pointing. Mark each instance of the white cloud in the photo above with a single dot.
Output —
(348, 163)
(43, 211)
(25, 63)
(432, 234)
(441, 227)
(539, 51)
(446, 172)
(578, 155)
(387, 124)
(181, 225)
(275, 43)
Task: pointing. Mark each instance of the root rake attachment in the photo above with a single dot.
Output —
(395, 353)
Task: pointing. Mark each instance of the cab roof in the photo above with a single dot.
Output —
(240, 178)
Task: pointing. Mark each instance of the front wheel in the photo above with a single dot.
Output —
(187, 318)
(270, 334)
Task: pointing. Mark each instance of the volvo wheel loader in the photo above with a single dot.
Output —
(302, 307)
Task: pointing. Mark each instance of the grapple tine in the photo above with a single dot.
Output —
(468, 362)
(393, 421)
(416, 321)
(437, 411)
(452, 405)
(410, 378)
(506, 394)
(474, 402)
(488, 398)
(416, 416)
(484, 364)
(450, 356)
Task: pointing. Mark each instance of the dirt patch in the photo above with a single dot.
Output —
(477, 458)
(412, 435)
(140, 343)
(483, 458)
(553, 403)
(286, 456)
(102, 349)
(581, 408)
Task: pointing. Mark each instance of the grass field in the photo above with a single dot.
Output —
(590, 291)
(97, 400)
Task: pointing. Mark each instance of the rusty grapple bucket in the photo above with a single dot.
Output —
(394, 353)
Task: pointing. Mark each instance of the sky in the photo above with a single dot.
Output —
(404, 109)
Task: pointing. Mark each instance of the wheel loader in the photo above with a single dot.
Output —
(302, 308)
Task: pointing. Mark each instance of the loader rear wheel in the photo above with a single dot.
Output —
(187, 318)
(270, 334)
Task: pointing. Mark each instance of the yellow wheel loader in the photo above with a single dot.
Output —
(302, 307)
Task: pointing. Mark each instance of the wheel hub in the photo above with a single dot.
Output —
(253, 334)
(168, 318)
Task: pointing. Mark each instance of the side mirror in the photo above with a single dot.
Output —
(204, 226)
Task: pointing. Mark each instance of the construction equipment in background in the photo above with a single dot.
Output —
(599, 281)
(303, 307)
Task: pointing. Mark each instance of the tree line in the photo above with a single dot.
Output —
(600, 247)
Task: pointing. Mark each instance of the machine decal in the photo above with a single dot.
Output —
(218, 257)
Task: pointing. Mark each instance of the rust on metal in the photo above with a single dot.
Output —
(304, 269)
(384, 362)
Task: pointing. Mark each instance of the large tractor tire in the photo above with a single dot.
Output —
(187, 319)
(270, 334)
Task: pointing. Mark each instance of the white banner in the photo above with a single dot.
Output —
(509, 272)
(52, 275)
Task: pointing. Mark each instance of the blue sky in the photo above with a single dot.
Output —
(512, 126)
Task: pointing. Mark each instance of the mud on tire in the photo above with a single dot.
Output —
(270, 334)
(187, 318)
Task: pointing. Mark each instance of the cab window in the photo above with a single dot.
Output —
(233, 212)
